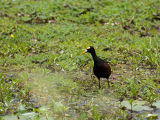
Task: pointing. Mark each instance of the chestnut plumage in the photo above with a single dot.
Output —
(101, 68)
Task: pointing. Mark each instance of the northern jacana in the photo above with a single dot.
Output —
(101, 68)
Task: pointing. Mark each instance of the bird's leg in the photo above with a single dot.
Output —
(99, 83)
(108, 83)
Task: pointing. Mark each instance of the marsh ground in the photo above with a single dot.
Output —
(43, 75)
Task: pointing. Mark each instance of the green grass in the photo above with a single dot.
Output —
(41, 44)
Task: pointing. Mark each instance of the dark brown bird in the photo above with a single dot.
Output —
(101, 68)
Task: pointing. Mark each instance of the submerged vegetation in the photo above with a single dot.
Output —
(44, 76)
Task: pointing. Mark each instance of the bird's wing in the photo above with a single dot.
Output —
(107, 67)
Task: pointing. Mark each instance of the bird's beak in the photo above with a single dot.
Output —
(83, 52)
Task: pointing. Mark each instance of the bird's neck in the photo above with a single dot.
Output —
(94, 56)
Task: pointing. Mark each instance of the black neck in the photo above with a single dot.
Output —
(94, 56)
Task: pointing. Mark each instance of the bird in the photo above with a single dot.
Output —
(101, 68)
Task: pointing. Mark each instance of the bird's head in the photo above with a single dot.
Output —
(89, 49)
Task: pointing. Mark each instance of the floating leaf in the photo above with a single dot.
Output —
(152, 116)
(137, 105)
(30, 114)
(157, 104)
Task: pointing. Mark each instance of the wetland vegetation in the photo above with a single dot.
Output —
(44, 76)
